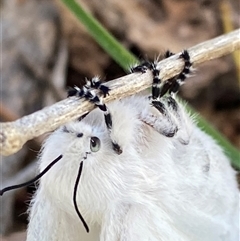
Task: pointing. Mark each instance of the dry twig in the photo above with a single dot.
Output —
(13, 135)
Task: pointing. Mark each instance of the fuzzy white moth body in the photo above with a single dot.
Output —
(179, 188)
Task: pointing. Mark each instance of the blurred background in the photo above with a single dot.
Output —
(44, 49)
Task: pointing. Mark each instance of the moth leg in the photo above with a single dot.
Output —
(85, 92)
(167, 124)
(174, 121)
(159, 118)
(91, 96)
(172, 85)
(171, 120)
(96, 83)
(152, 66)
(168, 106)
(164, 123)
(142, 68)
(182, 120)
(76, 91)
(168, 118)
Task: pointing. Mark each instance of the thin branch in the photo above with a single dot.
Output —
(9, 116)
(13, 135)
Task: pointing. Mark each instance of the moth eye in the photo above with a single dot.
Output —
(95, 144)
(80, 135)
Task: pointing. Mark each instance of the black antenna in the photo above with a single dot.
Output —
(33, 180)
(6, 189)
(75, 198)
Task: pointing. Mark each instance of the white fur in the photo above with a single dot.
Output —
(179, 188)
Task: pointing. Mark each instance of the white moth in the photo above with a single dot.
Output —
(159, 189)
(169, 182)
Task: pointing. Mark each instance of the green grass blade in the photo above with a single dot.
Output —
(125, 59)
(116, 50)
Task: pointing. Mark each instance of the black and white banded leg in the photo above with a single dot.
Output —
(167, 125)
(143, 67)
(172, 85)
(91, 96)
(76, 91)
(96, 83)
(168, 107)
